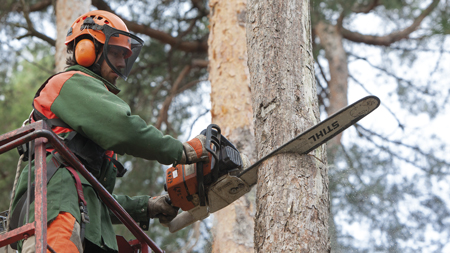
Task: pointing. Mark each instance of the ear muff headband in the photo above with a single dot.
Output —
(85, 53)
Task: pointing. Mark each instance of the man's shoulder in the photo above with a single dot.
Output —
(64, 76)
(74, 77)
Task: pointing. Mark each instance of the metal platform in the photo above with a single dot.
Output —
(40, 134)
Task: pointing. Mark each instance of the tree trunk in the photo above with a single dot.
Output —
(66, 13)
(232, 111)
(331, 41)
(292, 203)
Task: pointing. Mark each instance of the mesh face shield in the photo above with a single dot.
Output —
(121, 49)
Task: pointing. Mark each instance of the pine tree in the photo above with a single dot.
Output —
(292, 201)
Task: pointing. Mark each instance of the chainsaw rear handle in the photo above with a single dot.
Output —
(182, 220)
(168, 201)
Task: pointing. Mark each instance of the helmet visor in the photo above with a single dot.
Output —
(121, 50)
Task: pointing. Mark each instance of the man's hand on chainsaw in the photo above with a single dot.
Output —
(159, 208)
(195, 151)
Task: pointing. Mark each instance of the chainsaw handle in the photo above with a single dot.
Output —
(168, 201)
(214, 138)
(182, 220)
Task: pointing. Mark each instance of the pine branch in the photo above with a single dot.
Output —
(177, 88)
(322, 94)
(387, 107)
(388, 150)
(194, 236)
(163, 112)
(31, 30)
(19, 53)
(356, 8)
(399, 79)
(187, 46)
(159, 87)
(359, 8)
(189, 85)
(198, 5)
(366, 133)
(436, 67)
(420, 49)
(193, 123)
(387, 40)
(350, 162)
(38, 6)
(188, 30)
(206, 237)
(323, 73)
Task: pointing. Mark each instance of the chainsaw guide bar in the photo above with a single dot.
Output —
(318, 134)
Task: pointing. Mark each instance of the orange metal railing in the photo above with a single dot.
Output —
(41, 135)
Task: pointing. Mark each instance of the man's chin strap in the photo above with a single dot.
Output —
(96, 67)
(101, 59)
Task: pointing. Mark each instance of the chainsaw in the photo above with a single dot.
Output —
(204, 188)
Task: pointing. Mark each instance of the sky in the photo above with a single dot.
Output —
(419, 126)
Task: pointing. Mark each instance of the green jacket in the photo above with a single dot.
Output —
(89, 105)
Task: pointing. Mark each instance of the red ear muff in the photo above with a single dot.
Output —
(85, 53)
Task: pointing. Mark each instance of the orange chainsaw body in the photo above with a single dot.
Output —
(188, 186)
(182, 184)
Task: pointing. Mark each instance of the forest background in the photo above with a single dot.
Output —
(389, 175)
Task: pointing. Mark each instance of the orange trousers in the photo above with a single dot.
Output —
(63, 236)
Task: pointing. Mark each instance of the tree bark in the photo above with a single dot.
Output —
(232, 111)
(292, 203)
(66, 13)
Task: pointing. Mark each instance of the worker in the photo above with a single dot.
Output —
(82, 107)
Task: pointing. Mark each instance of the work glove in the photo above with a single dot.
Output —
(159, 208)
(195, 151)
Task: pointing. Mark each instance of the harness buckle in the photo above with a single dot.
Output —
(121, 172)
(3, 219)
(84, 213)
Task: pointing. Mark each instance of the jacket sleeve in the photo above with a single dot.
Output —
(135, 206)
(85, 104)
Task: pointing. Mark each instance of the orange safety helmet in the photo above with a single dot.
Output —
(109, 30)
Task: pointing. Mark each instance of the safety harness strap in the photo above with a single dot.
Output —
(37, 115)
(81, 201)
(19, 213)
(77, 185)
